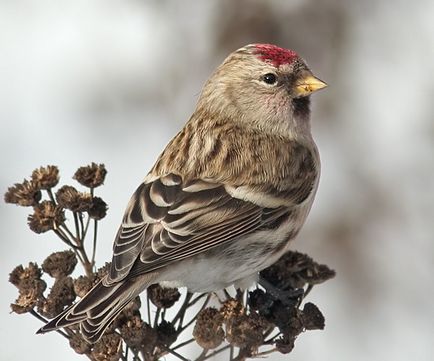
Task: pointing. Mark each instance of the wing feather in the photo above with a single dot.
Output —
(169, 219)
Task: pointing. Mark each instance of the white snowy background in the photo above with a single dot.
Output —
(112, 81)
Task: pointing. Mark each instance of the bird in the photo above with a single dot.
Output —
(225, 197)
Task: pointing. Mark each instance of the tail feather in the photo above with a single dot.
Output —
(99, 307)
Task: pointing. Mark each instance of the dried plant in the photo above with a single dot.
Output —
(244, 325)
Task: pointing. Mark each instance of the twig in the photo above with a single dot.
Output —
(183, 308)
(95, 233)
(157, 314)
(195, 300)
(231, 353)
(182, 344)
(50, 194)
(213, 353)
(265, 353)
(148, 307)
(182, 328)
(174, 353)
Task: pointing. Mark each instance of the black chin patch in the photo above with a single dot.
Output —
(301, 106)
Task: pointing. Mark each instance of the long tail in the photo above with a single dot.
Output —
(98, 307)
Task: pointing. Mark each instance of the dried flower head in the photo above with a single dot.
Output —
(129, 312)
(91, 176)
(98, 209)
(70, 198)
(102, 271)
(312, 318)
(231, 307)
(46, 177)
(20, 277)
(79, 344)
(166, 333)
(24, 194)
(30, 286)
(208, 331)
(46, 217)
(295, 270)
(109, 348)
(138, 334)
(246, 331)
(285, 344)
(61, 295)
(60, 264)
(163, 297)
(83, 284)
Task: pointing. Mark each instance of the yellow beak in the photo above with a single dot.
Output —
(307, 84)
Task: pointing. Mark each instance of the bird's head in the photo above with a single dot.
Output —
(262, 86)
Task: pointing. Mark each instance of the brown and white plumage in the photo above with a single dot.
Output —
(226, 195)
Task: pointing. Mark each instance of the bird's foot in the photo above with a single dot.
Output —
(287, 297)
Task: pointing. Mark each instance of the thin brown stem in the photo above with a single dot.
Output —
(195, 300)
(308, 289)
(51, 196)
(272, 339)
(64, 228)
(95, 233)
(77, 228)
(182, 328)
(80, 218)
(203, 353)
(157, 315)
(224, 348)
(63, 238)
(231, 353)
(183, 308)
(148, 304)
(182, 344)
(176, 354)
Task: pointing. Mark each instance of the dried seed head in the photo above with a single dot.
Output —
(231, 307)
(98, 209)
(130, 311)
(208, 331)
(108, 348)
(163, 297)
(46, 177)
(24, 194)
(20, 277)
(246, 331)
(78, 344)
(285, 344)
(61, 295)
(312, 318)
(60, 264)
(30, 286)
(83, 284)
(68, 197)
(91, 176)
(138, 334)
(103, 271)
(166, 333)
(295, 270)
(46, 217)
(26, 301)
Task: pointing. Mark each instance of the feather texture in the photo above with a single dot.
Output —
(228, 192)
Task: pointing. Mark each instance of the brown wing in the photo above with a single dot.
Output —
(168, 220)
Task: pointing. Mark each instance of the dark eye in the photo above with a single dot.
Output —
(269, 78)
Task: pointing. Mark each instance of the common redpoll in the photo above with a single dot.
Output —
(227, 194)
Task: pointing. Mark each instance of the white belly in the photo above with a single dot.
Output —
(236, 261)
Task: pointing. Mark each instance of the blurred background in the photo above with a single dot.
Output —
(112, 82)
